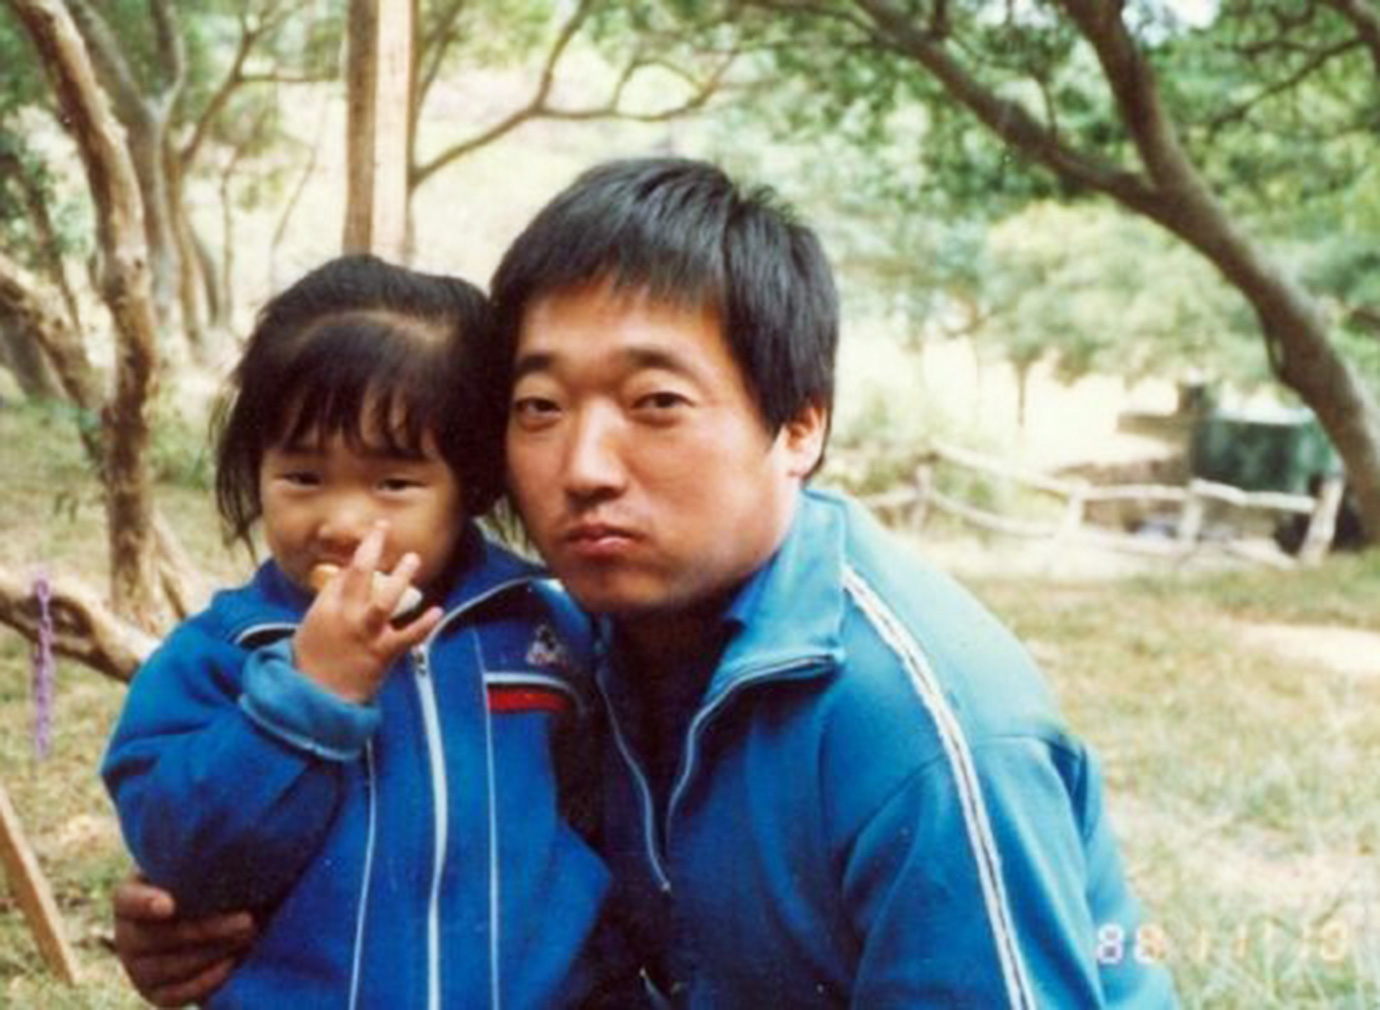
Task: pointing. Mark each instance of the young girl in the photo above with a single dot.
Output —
(380, 787)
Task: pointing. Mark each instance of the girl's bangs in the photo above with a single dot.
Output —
(376, 416)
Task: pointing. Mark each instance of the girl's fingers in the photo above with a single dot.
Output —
(394, 593)
(414, 631)
(368, 555)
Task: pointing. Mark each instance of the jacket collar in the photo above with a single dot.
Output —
(788, 617)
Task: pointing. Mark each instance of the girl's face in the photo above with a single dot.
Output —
(319, 500)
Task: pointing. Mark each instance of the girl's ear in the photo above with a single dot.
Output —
(802, 437)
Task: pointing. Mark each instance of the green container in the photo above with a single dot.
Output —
(1282, 450)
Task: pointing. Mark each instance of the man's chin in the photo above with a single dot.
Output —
(614, 594)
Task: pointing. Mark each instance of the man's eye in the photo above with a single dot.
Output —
(662, 400)
(535, 409)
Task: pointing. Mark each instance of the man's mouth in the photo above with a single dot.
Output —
(595, 541)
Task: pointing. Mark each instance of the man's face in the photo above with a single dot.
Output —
(637, 458)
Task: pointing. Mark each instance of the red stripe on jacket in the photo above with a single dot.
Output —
(506, 698)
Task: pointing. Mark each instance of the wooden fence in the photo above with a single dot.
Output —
(911, 504)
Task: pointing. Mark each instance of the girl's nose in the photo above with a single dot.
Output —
(344, 522)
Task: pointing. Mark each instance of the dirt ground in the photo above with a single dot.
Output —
(1349, 651)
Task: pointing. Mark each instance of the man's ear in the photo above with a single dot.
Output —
(803, 439)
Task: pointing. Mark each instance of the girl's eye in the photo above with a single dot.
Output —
(397, 484)
(300, 478)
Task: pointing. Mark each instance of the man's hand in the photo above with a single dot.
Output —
(174, 962)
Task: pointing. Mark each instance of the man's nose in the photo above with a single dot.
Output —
(594, 456)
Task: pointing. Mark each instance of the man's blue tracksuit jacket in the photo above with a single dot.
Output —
(877, 805)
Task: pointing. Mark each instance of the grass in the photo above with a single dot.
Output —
(51, 498)
(1240, 780)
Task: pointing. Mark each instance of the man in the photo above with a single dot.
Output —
(831, 778)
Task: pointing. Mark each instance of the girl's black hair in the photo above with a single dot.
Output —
(353, 336)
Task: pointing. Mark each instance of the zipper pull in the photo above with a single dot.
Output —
(420, 662)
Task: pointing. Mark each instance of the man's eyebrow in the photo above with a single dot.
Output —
(532, 361)
(638, 357)
(658, 357)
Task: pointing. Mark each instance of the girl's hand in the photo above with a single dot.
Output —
(347, 641)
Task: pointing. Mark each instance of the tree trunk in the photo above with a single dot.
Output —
(1024, 367)
(146, 140)
(1297, 337)
(146, 115)
(24, 359)
(125, 287)
(190, 283)
(380, 83)
(33, 312)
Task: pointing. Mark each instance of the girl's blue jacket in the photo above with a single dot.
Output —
(407, 853)
(877, 805)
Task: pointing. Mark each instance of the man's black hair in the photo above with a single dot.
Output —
(685, 233)
(362, 349)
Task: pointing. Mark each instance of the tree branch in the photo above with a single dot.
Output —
(432, 47)
(1316, 61)
(108, 58)
(538, 107)
(1008, 119)
(84, 627)
(232, 80)
(1365, 18)
(49, 254)
(22, 298)
(1131, 80)
(418, 174)
(172, 50)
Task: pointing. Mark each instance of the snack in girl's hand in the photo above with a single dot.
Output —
(409, 601)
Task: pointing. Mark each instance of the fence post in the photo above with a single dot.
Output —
(924, 484)
(1191, 518)
(1074, 510)
(1322, 525)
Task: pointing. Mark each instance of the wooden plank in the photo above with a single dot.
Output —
(1030, 478)
(31, 891)
(1277, 500)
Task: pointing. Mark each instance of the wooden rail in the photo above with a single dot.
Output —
(1192, 501)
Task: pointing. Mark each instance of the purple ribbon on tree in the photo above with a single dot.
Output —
(44, 670)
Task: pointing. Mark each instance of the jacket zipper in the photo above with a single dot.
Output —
(649, 828)
(780, 671)
(426, 692)
(431, 722)
(491, 795)
(708, 711)
(362, 915)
